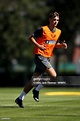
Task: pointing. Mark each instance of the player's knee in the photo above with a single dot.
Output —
(54, 75)
(51, 72)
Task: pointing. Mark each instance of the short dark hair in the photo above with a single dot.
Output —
(53, 14)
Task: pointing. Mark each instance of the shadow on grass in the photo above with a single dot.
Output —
(9, 107)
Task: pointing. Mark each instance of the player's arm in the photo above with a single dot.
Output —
(61, 45)
(33, 40)
(34, 36)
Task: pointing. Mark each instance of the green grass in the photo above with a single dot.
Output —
(50, 108)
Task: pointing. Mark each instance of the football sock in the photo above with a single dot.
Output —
(22, 95)
(39, 87)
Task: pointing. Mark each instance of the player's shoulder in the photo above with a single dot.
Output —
(59, 30)
(44, 27)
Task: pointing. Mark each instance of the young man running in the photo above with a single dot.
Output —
(45, 40)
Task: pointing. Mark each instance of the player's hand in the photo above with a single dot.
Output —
(64, 45)
(42, 47)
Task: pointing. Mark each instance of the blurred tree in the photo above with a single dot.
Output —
(19, 18)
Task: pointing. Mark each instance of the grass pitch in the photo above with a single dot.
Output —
(56, 104)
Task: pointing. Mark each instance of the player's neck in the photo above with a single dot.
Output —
(53, 29)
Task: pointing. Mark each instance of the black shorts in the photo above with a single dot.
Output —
(42, 63)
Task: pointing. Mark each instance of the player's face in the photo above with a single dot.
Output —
(54, 21)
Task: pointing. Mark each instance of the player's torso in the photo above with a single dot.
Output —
(49, 40)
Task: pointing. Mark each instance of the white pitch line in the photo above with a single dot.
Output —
(4, 118)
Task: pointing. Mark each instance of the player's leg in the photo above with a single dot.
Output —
(51, 72)
(29, 85)
(41, 69)
(36, 92)
(45, 66)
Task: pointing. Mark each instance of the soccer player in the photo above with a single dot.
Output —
(45, 40)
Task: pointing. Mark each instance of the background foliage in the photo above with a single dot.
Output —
(19, 19)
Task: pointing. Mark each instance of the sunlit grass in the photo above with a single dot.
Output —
(50, 107)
